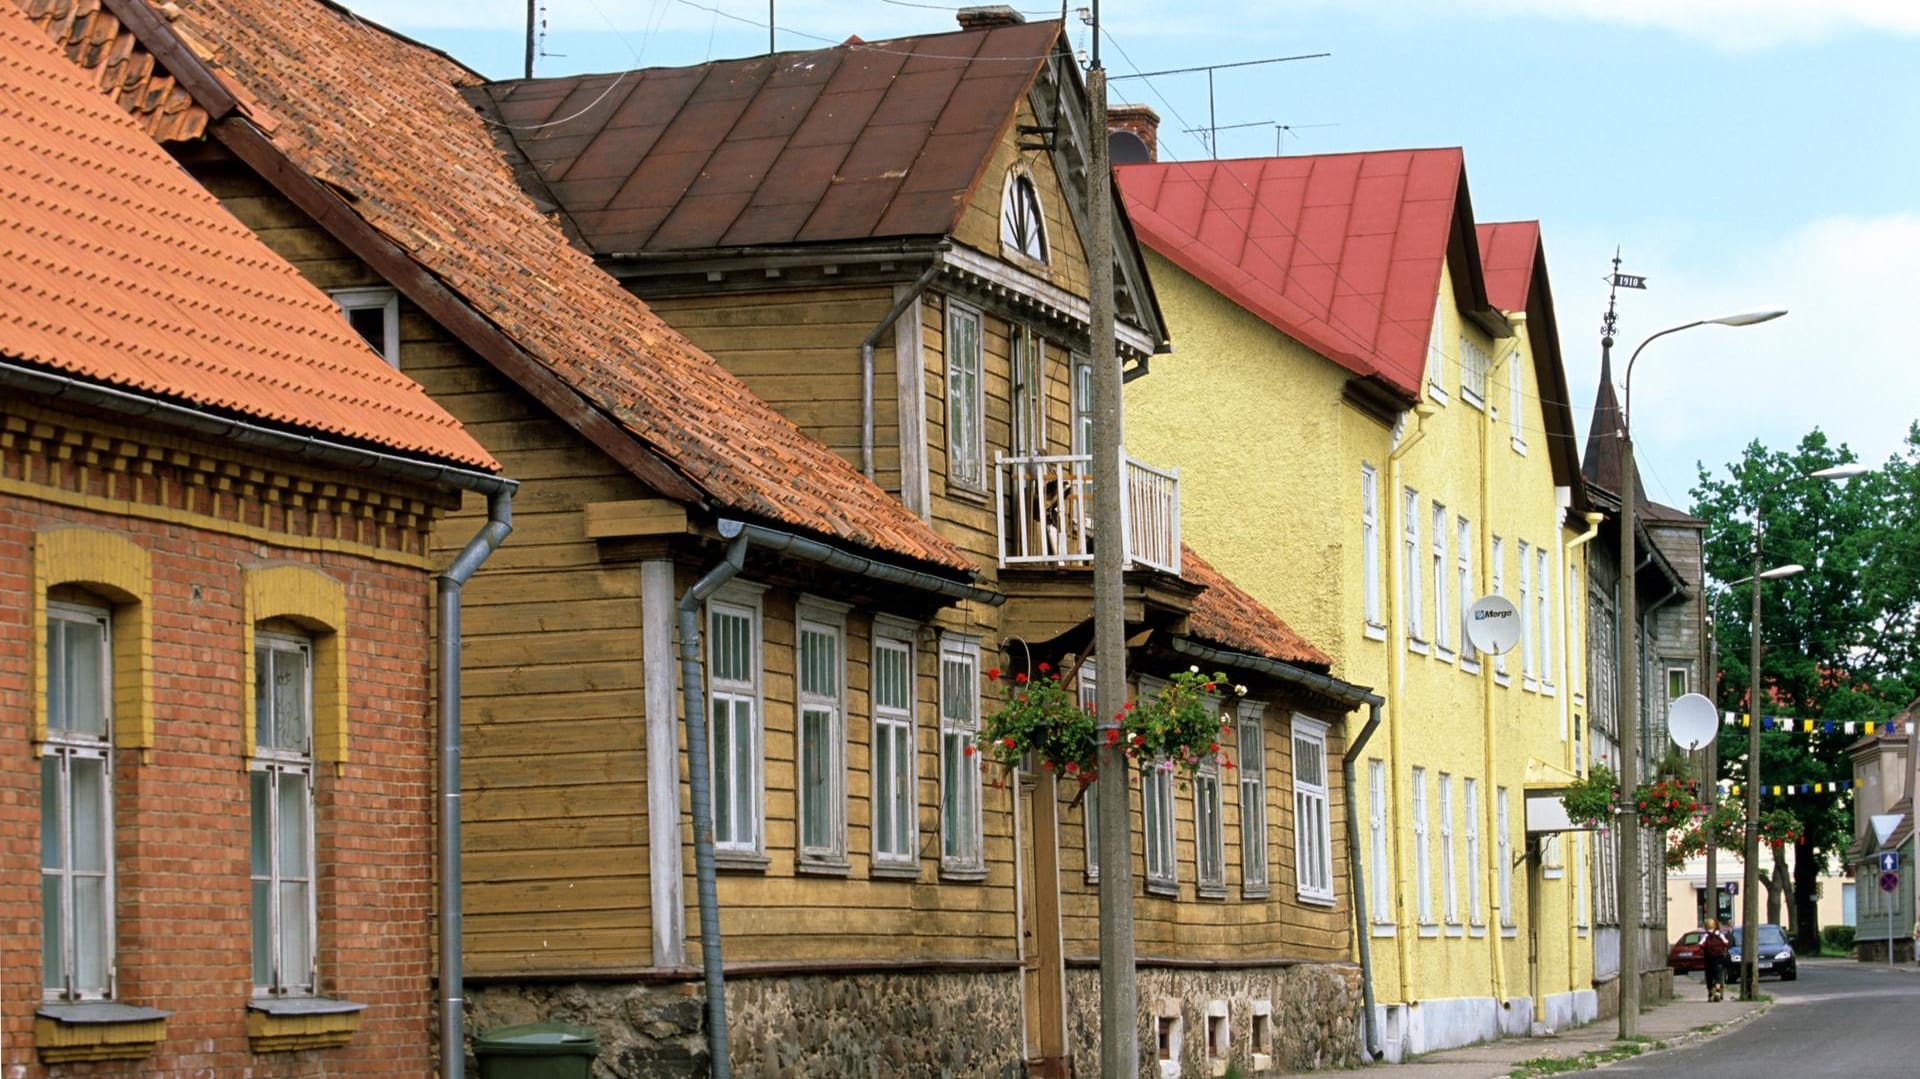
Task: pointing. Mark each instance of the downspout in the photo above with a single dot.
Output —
(453, 1055)
(867, 344)
(693, 695)
(1397, 569)
(1568, 619)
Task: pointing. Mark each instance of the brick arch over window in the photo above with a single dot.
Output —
(119, 571)
(317, 604)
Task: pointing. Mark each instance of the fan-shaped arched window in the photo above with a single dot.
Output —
(1023, 229)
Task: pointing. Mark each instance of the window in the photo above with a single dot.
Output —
(374, 314)
(1209, 834)
(1475, 911)
(1579, 856)
(280, 782)
(1253, 797)
(1442, 619)
(1422, 853)
(1499, 573)
(1543, 618)
(1449, 886)
(1516, 393)
(1377, 838)
(966, 436)
(1437, 359)
(733, 687)
(1463, 581)
(1029, 391)
(1023, 228)
(960, 850)
(76, 807)
(894, 816)
(1474, 362)
(1082, 405)
(1529, 658)
(1409, 573)
(1089, 813)
(1156, 813)
(821, 785)
(1503, 850)
(1312, 832)
(1676, 683)
(1370, 549)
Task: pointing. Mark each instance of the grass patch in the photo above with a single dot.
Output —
(1623, 1049)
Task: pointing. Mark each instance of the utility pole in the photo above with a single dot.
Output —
(1710, 675)
(1750, 917)
(533, 18)
(1628, 880)
(1119, 1023)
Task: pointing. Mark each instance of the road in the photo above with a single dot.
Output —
(1841, 1018)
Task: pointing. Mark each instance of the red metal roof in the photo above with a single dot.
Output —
(1341, 252)
(116, 267)
(1227, 616)
(854, 141)
(381, 120)
(1507, 251)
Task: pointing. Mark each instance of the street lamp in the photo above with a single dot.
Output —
(1628, 882)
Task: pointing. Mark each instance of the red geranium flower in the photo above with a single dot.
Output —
(1021, 678)
(967, 752)
(1044, 668)
(993, 672)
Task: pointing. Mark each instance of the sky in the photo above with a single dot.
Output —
(1740, 154)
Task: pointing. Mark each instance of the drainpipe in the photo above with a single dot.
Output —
(453, 1056)
(1397, 672)
(693, 695)
(867, 344)
(1568, 620)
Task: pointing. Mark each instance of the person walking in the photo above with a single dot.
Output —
(1714, 948)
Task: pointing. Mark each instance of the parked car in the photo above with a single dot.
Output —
(1686, 955)
(1775, 955)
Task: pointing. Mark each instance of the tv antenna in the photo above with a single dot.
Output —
(1212, 137)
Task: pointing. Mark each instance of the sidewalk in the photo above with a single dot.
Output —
(1687, 1018)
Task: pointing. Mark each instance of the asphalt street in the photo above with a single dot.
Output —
(1841, 1018)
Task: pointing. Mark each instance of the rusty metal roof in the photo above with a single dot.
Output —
(861, 140)
(380, 120)
(116, 267)
(1227, 616)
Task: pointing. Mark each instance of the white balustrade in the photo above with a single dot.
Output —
(1043, 512)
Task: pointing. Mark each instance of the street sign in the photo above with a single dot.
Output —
(1889, 861)
(1889, 882)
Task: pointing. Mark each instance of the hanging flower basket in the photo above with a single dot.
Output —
(1683, 845)
(1039, 714)
(1177, 724)
(1666, 804)
(1589, 801)
(1780, 828)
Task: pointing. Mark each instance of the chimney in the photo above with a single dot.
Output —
(987, 16)
(1139, 121)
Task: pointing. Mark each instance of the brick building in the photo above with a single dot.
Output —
(216, 614)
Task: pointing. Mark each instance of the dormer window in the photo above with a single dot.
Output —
(1023, 229)
(374, 313)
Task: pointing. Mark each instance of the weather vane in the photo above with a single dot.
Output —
(1615, 282)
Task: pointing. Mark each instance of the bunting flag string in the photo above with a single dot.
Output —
(1811, 726)
(1789, 790)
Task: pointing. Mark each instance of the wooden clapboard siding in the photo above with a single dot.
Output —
(979, 226)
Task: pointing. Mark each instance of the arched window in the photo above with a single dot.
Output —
(1023, 229)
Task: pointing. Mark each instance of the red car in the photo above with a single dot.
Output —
(1685, 955)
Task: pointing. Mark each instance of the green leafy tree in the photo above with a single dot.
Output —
(1840, 640)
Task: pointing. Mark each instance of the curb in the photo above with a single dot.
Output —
(1694, 1037)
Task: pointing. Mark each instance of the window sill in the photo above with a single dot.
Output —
(1580, 931)
(1473, 399)
(1383, 929)
(1212, 891)
(1502, 678)
(1415, 644)
(1519, 447)
(1547, 689)
(1168, 888)
(97, 1030)
(1579, 700)
(1374, 631)
(1256, 891)
(1316, 899)
(1428, 929)
(966, 492)
(1435, 394)
(1476, 930)
(289, 1024)
(821, 867)
(1469, 666)
(740, 861)
(1531, 685)
(1455, 929)
(894, 871)
(1552, 872)
(964, 874)
(1509, 932)
(1443, 654)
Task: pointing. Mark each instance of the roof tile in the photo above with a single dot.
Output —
(1226, 615)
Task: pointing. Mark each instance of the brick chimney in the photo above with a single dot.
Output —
(1141, 122)
(989, 15)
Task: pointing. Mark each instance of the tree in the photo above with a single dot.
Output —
(1840, 640)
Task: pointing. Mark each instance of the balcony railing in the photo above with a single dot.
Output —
(1043, 510)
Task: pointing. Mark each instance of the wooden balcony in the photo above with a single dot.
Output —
(1043, 510)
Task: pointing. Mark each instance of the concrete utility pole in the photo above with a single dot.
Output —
(1119, 1023)
(1628, 880)
(1710, 678)
(1750, 918)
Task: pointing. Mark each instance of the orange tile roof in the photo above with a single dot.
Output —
(380, 120)
(1227, 616)
(117, 268)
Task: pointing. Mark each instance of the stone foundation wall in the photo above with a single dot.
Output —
(858, 1026)
(1656, 986)
(1311, 1020)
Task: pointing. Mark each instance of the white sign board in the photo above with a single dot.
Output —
(1691, 721)
(1493, 624)
(1883, 826)
(1548, 813)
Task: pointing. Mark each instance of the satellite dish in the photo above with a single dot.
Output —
(1493, 624)
(1127, 148)
(1691, 721)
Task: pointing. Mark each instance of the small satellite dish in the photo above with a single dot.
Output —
(1691, 721)
(1493, 624)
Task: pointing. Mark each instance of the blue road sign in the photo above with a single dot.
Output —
(1889, 861)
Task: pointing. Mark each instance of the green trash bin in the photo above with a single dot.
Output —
(536, 1051)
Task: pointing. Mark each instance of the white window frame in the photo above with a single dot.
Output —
(1498, 571)
(1157, 808)
(1018, 189)
(1087, 680)
(1027, 387)
(1209, 831)
(387, 301)
(1516, 399)
(744, 837)
(962, 846)
(1082, 404)
(1580, 905)
(1476, 908)
(1375, 625)
(1529, 658)
(1443, 627)
(826, 620)
(966, 394)
(1503, 850)
(63, 746)
(1409, 568)
(1251, 728)
(1449, 869)
(895, 812)
(1312, 809)
(1543, 619)
(280, 765)
(1422, 852)
(1436, 359)
(1382, 901)
(1463, 578)
(1474, 362)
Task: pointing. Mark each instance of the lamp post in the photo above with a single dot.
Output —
(1628, 883)
(1750, 877)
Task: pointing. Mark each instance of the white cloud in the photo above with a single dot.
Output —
(1845, 358)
